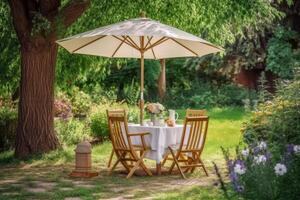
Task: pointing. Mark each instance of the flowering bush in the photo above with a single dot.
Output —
(155, 108)
(62, 108)
(277, 121)
(256, 174)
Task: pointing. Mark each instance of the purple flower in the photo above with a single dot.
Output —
(256, 150)
(239, 188)
(290, 148)
(230, 164)
(296, 149)
(260, 159)
(268, 155)
(262, 145)
(233, 177)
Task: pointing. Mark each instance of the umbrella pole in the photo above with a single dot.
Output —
(142, 81)
(142, 90)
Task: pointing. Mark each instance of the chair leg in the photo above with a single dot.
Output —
(177, 164)
(110, 158)
(143, 164)
(203, 167)
(145, 168)
(187, 162)
(172, 167)
(114, 166)
(165, 160)
(136, 166)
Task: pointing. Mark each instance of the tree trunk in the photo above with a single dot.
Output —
(35, 132)
(162, 80)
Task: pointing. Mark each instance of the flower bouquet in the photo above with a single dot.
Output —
(155, 110)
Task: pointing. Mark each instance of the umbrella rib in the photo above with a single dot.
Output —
(149, 40)
(126, 41)
(131, 40)
(88, 43)
(163, 39)
(117, 49)
(184, 46)
(151, 47)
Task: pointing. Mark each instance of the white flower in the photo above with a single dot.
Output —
(280, 169)
(260, 159)
(239, 169)
(297, 149)
(262, 145)
(245, 152)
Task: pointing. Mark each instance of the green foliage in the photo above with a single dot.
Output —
(81, 102)
(98, 117)
(190, 84)
(284, 53)
(99, 124)
(41, 25)
(277, 121)
(8, 123)
(72, 131)
(9, 52)
(263, 93)
(131, 93)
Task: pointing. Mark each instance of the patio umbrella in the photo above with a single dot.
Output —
(141, 38)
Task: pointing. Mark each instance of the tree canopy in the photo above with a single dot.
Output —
(220, 22)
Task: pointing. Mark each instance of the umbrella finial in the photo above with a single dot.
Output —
(143, 14)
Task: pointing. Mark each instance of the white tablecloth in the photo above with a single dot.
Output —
(159, 139)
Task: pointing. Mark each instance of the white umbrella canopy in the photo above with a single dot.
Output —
(123, 40)
(138, 38)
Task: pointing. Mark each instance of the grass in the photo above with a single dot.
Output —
(17, 177)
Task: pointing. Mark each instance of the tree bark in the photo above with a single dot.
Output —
(162, 80)
(35, 132)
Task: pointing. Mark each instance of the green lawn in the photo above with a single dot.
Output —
(48, 174)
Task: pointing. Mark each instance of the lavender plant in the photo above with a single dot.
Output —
(255, 173)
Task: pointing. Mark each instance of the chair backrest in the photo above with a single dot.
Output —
(194, 133)
(195, 113)
(118, 128)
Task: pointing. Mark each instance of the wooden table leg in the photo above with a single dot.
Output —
(158, 168)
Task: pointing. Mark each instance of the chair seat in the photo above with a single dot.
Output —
(175, 147)
(140, 147)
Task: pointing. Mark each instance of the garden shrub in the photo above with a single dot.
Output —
(8, 123)
(206, 94)
(284, 53)
(71, 132)
(269, 167)
(62, 106)
(98, 117)
(277, 121)
(81, 102)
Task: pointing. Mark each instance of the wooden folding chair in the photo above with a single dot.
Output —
(192, 143)
(189, 113)
(129, 155)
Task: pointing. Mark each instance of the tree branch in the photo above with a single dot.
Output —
(20, 19)
(73, 10)
(48, 6)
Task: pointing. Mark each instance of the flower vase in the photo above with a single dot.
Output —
(155, 120)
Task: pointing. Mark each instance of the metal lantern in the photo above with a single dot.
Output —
(83, 161)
